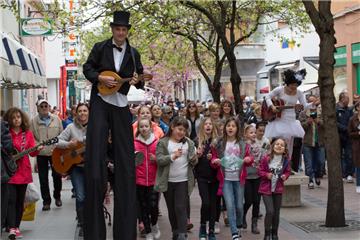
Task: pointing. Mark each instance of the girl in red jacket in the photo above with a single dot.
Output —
(274, 169)
(23, 139)
(148, 199)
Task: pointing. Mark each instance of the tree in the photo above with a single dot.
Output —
(236, 21)
(322, 19)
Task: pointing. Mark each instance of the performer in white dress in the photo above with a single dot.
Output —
(287, 126)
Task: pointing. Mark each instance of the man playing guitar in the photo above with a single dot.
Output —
(111, 112)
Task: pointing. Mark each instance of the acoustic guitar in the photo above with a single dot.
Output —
(64, 159)
(105, 90)
(48, 142)
(267, 114)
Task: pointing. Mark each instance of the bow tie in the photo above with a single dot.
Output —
(118, 48)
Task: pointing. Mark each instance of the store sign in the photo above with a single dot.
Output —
(35, 27)
(355, 53)
(340, 56)
(70, 63)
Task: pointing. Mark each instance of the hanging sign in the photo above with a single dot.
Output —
(35, 27)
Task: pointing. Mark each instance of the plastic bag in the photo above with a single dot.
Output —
(29, 212)
(32, 194)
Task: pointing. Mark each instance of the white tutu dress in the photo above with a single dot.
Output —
(287, 126)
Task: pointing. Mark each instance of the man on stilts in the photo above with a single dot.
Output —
(111, 112)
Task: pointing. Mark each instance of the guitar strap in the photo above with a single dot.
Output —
(23, 141)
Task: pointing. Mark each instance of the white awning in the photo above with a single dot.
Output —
(264, 71)
(20, 68)
(287, 65)
(307, 87)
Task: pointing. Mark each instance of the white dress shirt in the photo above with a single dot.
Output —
(117, 99)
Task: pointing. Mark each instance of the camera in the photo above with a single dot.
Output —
(313, 115)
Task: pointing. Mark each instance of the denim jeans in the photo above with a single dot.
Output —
(233, 193)
(357, 169)
(78, 182)
(314, 158)
(346, 160)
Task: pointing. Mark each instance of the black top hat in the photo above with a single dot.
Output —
(121, 18)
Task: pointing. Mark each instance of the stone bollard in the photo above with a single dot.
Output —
(292, 190)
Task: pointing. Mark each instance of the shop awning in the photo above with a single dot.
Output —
(287, 65)
(20, 68)
(307, 87)
(264, 71)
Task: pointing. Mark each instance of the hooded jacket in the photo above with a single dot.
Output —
(146, 171)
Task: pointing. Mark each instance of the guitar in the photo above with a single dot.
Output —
(267, 114)
(105, 90)
(48, 142)
(64, 159)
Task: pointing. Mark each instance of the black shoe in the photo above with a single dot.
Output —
(254, 227)
(46, 207)
(189, 226)
(81, 232)
(58, 202)
(244, 225)
(274, 235)
(317, 181)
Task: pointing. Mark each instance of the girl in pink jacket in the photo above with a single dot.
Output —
(23, 139)
(274, 170)
(148, 199)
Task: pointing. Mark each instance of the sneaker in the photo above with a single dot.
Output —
(18, 233)
(317, 181)
(235, 236)
(149, 236)
(58, 202)
(12, 233)
(311, 185)
(211, 236)
(202, 232)
(349, 179)
(217, 228)
(46, 207)
(156, 231)
(357, 189)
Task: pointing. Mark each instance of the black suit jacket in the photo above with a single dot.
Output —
(101, 58)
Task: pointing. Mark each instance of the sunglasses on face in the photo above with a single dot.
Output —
(44, 106)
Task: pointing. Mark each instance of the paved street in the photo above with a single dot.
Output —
(59, 223)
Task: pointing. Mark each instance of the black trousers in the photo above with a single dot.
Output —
(43, 168)
(4, 202)
(207, 191)
(16, 204)
(272, 206)
(296, 154)
(252, 197)
(148, 202)
(104, 116)
(176, 198)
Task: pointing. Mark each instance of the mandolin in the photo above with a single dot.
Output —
(105, 91)
(267, 114)
(64, 159)
(48, 142)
